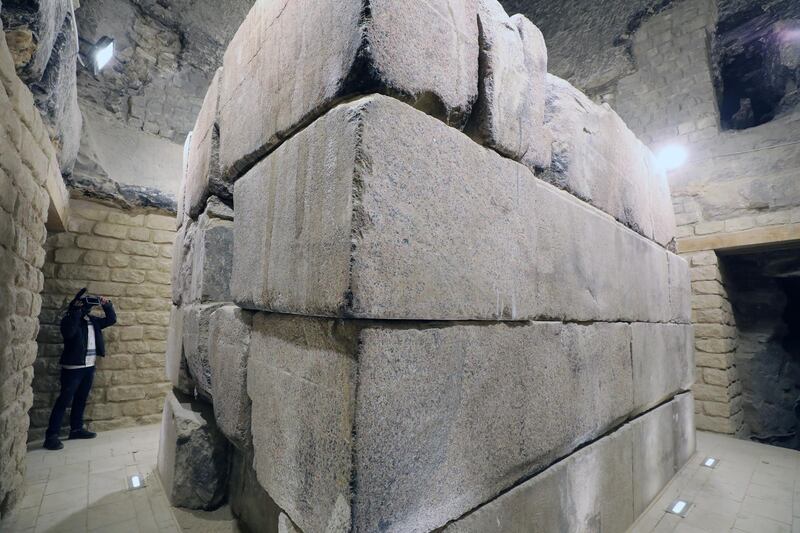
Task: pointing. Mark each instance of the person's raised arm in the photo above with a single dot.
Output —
(111, 316)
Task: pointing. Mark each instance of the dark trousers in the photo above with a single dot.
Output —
(75, 387)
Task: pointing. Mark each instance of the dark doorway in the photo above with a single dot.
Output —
(764, 289)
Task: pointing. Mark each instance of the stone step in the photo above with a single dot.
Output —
(377, 210)
(406, 426)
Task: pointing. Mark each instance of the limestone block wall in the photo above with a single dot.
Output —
(437, 277)
(125, 256)
(27, 161)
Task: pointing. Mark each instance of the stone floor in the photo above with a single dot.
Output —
(754, 489)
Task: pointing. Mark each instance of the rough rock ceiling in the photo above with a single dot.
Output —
(589, 42)
(166, 54)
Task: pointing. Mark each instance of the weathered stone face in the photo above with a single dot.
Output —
(212, 258)
(196, 323)
(176, 368)
(547, 388)
(425, 53)
(598, 159)
(203, 176)
(663, 361)
(229, 341)
(442, 230)
(202, 262)
(192, 455)
(509, 112)
(595, 488)
(663, 442)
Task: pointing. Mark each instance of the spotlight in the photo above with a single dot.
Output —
(672, 157)
(710, 462)
(101, 53)
(679, 507)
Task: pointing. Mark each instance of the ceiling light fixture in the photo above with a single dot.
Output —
(102, 52)
(672, 157)
(710, 462)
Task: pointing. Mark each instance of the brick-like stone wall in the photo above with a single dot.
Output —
(126, 257)
(27, 161)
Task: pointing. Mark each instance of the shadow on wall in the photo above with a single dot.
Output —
(764, 288)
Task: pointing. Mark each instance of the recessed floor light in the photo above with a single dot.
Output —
(679, 507)
(135, 481)
(710, 462)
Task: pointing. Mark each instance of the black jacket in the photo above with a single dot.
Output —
(75, 331)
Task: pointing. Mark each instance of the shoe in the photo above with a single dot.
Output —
(53, 444)
(82, 434)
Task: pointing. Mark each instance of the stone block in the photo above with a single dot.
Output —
(509, 112)
(443, 230)
(192, 454)
(591, 490)
(598, 159)
(680, 289)
(663, 362)
(176, 367)
(499, 401)
(425, 53)
(211, 260)
(196, 322)
(203, 174)
(229, 341)
(182, 264)
(662, 443)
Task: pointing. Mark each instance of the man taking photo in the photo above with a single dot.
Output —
(83, 342)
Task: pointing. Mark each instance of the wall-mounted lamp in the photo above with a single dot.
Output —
(101, 53)
(672, 156)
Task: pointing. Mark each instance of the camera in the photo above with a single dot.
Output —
(90, 300)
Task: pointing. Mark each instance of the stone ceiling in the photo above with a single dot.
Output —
(166, 54)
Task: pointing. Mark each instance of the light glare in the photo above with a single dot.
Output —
(103, 55)
(672, 157)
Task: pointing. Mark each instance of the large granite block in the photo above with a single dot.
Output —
(509, 112)
(405, 427)
(196, 326)
(203, 173)
(211, 260)
(229, 340)
(202, 261)
(192, 454)
(290, 61)
(377, 210)
(598, 159)
(662, 443)
(663, 361)
(595, 488)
